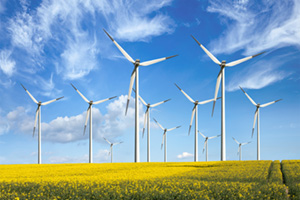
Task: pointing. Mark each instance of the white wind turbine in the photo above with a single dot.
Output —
(38, 115)
(111, 147)
(194, 113)
(240, 147)
(221, 75)
(147, 118)
(89, 115)
(135, 75)
(256, 116)
(164, 140)
(206, 143)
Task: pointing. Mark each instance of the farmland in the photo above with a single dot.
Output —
(201, 180)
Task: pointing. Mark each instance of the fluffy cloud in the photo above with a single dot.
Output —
(261, 74)
(185, 155)
(7, 65)
(70, 129)
(255, 28)
(66, 31)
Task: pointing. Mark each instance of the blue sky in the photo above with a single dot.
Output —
(46, 45)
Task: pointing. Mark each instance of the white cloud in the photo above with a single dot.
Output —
(100, 156)
(7, 65)
(59, 30)
(261, 74)
(254, 28)
(70, 129)
(185, 155)
(130, 20)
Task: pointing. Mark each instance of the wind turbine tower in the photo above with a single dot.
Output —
(194, 113)
(135, 76)
(38, 117)
(89, 115)
(221, 75)
(256, 118)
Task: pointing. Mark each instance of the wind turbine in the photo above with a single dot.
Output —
(89, 115)
(221, 75)
(135, 75)
(194, 113)
(206, 143)
(256, 116)
(164, 140)
(147, 118)
(111, 147)
(38, 115)
(240, 147)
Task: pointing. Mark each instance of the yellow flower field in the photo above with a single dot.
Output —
(291, 170)
(201, 180)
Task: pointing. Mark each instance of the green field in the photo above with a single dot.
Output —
(190, 180)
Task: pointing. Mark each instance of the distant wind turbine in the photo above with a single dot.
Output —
(89, 115)
(240, 147)
(38, 115)
(256, 116)
(135, 75)
(147, 118)
(194, 113)
(164, 140)
(206, 143)
(221, 75)
(111, 147)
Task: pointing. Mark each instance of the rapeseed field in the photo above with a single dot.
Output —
(200, 180)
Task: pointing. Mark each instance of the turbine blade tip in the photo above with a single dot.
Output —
(259, 54)
(23, 86)
(171, 56)
(108, 35)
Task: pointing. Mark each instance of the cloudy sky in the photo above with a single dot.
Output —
(48, 44)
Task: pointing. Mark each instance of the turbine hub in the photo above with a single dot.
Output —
(91, 102)
(137, 62)
(223, 63)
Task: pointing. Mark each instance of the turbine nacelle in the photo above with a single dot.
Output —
(223, 63)
(137, 62)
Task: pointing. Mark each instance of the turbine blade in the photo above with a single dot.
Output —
(185, 94)
(193, 114)
(242, 60)
(157, 104)
(155, 61)
(130, 89)
(86, 118)
(253, 102)
(145, 118)
(118, 143)
(207, 52)
(255, 115)
(267, 104)
(33, 99)
(159, 124)
(120, 48)
(162, 143)
(171, 129)
(214, 137)
(206, 101)
(204, 145)
(84, 98)
(217, 89)
(201, 134)
(235, 140)
(35, 121)
(107, 141)
(140, 98)
(101, 101)
(245, 143)
(48, 102)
